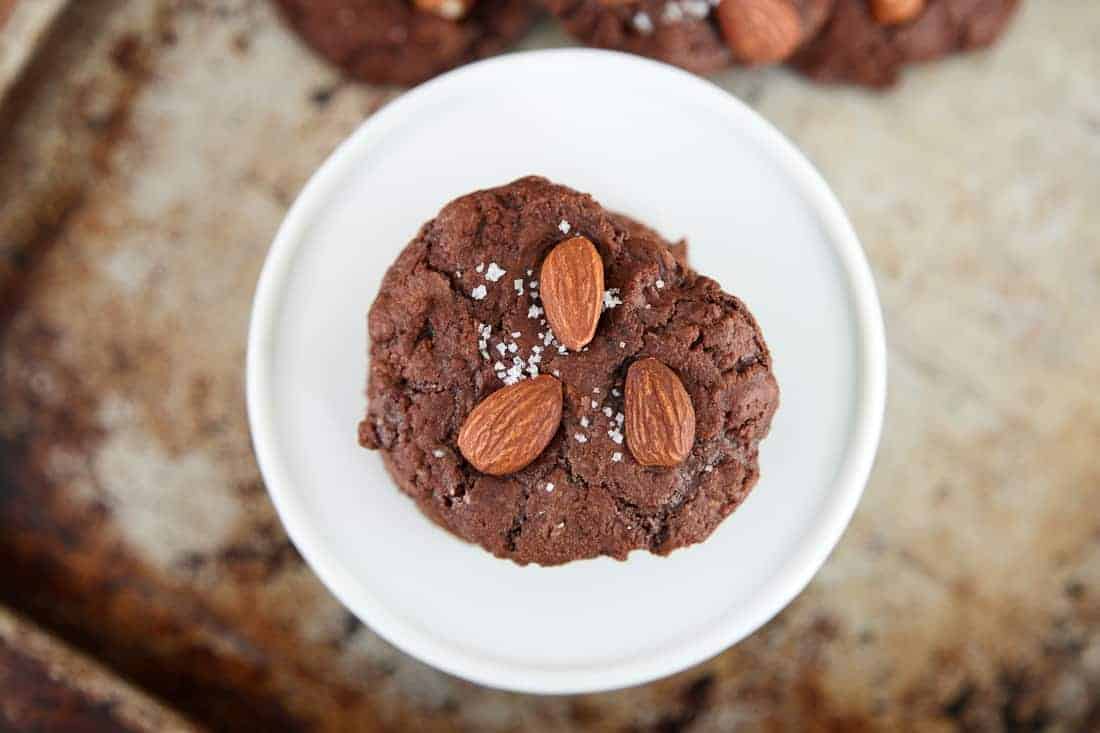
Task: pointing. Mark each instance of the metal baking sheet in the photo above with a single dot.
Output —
(147, 153)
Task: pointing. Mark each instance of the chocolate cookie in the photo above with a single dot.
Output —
(462, 316)
(399, 42)
(698, 35)
(864, 42)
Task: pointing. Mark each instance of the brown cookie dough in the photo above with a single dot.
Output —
(393, 42)
(686, 33)
(459, 315)
(856, 48)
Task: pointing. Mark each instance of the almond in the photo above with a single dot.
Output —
(660, 420)
(895, 12)
(512, 426)
(446, 9)
(572, 291)
(760, 31)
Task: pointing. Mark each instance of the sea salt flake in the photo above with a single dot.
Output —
(534, 311)
(581, 438)
(481, 267)
(564, 226)
(607, 411)
(518, 285)
(642, 23)
(516, 334)
(537, 349)
(708, 469)
(673, 13)
(498, 366)
(512, 348)
(595, 404)
(529, 273)
(622, 344)
(563, 350)
(619, 418)
(501, 348)
(696, 8)
(534, 284)
(438, 453)
(479, 292)
(549, 487)
(616, 393)
(616, 457)
(584, 422)
(611, 299)
(533, 370)
(556, 373)
(660, 284)
(494, 272)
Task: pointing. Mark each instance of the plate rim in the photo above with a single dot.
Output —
(809, 555)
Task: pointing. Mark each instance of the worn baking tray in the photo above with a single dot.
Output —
(148, 150)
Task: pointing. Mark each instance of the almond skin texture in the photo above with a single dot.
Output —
(660, 419)
(512, 426)
(760, 31)
(895, 12)
(571, 283)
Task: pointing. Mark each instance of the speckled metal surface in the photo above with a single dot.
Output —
(146, 157)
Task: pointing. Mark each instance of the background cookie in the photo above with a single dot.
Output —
(856, 47)
(393, 42)
(461, 305)
(698, 35)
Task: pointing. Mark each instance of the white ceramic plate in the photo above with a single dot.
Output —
(677, 153)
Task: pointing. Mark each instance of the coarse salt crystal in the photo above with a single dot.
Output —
(611, 299)
(512, 348)
(708, 469)
(660, 284)
(479, 292)
(562, 350)
(534, 311)
(581, 438)
(481, 267)
(622, 344)
(642, 23)
(501, 348)
(516, 334)
(615, 392)
(564, 226)
(518, 285)
(549, 486)
(595, 404)
(584, 422)
(529, 273)
(607, 411)
(438, 453)
(672, 13)
(556, 373)
(616, 457)
(494, 272)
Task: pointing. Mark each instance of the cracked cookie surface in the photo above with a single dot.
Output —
(459, 316)
(392, 42)
(855, 48)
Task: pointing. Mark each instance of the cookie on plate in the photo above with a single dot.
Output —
(698, 35)
(548, 381)
(869, 41)
(407, 41)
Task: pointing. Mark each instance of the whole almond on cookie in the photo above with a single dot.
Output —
(660, 419)
(571, 283)
(760, 31)
(895, 12)
(512, 426)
